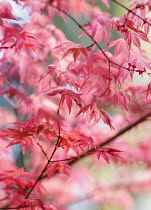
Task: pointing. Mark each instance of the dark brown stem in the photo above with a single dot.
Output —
(9, 47)
(44, 169)
(49, 160)
(94, 42)
(73, 160)
(130, 11)
(113, 138)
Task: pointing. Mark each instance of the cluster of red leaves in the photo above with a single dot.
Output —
(95, 114)
(59, 167)
(107, 152)
(35, 204)
(61, 108)
(18, 182)
(25, 133)
(75, 49)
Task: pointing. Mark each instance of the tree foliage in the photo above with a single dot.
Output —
(71, 108)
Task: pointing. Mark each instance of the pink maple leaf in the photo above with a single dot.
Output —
(60, 167)
(123, 99)
(95, 114)
(24, 132)
(75, 141)
(75, 49)
(68, 96)
(121, 46)
(105, 153)
(6, 10)
(28, 41)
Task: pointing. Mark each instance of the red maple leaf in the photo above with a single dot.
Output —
(72, 48)
(75, 141)
(121, 46)
(123, 99)
(6, 10)
(24, 132)
(28, 41)
(68, 96)
(60, 167)
(95, 114)
(105, 153)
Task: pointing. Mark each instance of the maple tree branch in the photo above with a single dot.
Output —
(63, 160)
(94, 42)
(113, 138)
(131, 11)
(41, 147)
(18, 207)
(48, 160)
(44, 169)
(9, 47)
(73, 160)
(40, 176)
(37, 180)
(80, 26)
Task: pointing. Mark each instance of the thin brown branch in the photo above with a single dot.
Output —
(113, 138)
(94, 42)
(44, 169)
(8, 47)
(62, 160)
(18, 207)
(49, 160)
(131, 11)
(73, 160)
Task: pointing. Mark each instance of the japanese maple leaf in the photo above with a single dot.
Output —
(6, 10)
(148, 90)
(95, 114)
(20, 40)
(18, 181)
(60, 167)
(19, 137)
(122, 98)
(105, 153)
(27, 41)
(24, 132)
(121, 46)
(97, 28)
(63, 77)
(70, 77)
(135, 36)
(75, 141)
(33, 204)
(147, 26)
(10, 35)
(12, 92)
(68, 96)
(75, 49)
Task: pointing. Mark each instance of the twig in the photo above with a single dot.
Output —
(94, 42)
(113, 138)
(48, 161)
(131, 11)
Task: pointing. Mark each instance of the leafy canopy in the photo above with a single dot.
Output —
(67, 103)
